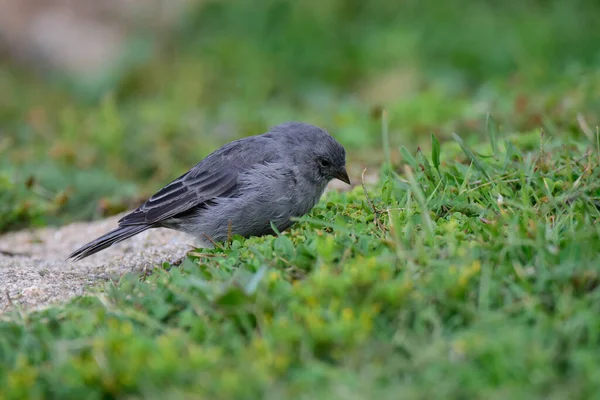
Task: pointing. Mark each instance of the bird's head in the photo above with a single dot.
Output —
(314, 150)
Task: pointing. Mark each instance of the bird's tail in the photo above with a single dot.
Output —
(107, 240)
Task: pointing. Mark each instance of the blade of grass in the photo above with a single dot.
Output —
(510, 151)
(492, 130)
(410, 160)
(435, 152)
(420, 196)
(424, 166)
(598, 144)
(385, 136)
(469, 153)
(466, 180)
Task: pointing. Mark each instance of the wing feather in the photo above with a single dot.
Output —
(215, 176)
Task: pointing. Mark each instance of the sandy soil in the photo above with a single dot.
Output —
(34, 272)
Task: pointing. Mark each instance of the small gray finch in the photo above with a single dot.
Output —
(241, 188)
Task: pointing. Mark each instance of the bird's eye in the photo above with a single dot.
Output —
(324, 163)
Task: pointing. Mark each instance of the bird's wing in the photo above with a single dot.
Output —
(215, 176)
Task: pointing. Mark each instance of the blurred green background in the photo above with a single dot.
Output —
(74, 148)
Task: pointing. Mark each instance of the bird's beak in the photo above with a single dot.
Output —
(342, 175)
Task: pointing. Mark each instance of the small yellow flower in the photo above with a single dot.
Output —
(314, 321)
(273, 276)
(371, 263)
(366, 321)
(280, 362)
(259, 344)
(311, 301)
(347, 314)
(385, 275)
(127, 328)
(469, 272)
(268, 319)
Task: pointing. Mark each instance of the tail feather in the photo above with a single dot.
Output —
(107, 240)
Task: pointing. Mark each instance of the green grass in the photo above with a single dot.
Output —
(472, 272)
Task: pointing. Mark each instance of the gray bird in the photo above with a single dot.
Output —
(240, 188)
